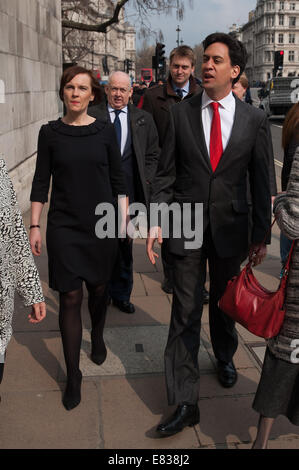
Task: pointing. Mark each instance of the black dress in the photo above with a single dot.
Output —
(85, 165)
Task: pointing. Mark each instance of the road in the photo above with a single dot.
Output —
(276, 123)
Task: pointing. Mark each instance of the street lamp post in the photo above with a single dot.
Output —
(178, 30)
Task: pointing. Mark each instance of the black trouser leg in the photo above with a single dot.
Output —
(121, 288)
(168, 263)
(223, 333)
(181, 354)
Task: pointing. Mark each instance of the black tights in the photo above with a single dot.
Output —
(71, 325)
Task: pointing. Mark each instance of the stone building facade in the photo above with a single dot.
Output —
(272, 26)
(90, 49)
(30, 69)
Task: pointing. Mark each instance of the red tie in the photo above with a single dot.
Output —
(216, 148)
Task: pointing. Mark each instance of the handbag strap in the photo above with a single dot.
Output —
(287, 265)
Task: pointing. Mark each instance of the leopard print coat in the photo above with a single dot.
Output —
(17, 269)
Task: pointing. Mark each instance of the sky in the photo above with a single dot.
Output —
(206, 16)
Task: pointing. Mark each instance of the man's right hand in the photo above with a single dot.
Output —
(155, 233)
(35, 241)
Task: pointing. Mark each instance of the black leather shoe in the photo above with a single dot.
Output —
(227, 374)
(206, 296)
(166, 286)
(185, 415)
(124, 306)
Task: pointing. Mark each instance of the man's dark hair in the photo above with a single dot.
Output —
(237, 51)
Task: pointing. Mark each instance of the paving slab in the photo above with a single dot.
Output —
(132, 350)
(246, 384)
(38, 420)
(232, 420)
(130, 422)
(148, 311)
(33, 362)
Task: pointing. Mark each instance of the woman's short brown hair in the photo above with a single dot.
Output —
(71, 72)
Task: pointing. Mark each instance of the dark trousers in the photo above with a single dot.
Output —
(121, 288)
(167, 261)
(181, 353)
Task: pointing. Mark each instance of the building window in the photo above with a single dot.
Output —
(291, 56)
(292, 6)
(267, 56)
(270, 20)
(270, 38)
(292, 38)
(280, 38)
(281, 20)
(281, 5)
(292, 21)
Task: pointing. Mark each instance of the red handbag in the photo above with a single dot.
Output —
(256, 308)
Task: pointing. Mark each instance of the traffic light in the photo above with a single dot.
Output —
(278, 60)
(160, 55)
(128, 65)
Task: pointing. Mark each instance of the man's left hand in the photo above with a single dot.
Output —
(257, 253)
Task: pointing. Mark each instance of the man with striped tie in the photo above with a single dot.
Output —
(213, 142)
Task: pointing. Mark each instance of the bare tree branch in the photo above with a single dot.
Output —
(142, 8)
(99, 28)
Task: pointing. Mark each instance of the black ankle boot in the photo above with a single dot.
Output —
(72, 394)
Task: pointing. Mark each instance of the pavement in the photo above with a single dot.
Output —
(124, 399)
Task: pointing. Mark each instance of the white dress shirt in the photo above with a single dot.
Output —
(185, 88)
(227, 110)
(123, 117)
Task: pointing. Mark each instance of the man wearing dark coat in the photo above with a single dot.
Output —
(180, 85)
(139, 145)
(213, 142)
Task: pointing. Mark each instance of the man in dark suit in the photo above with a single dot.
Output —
(180, 85)
(139, 145)
(213, 141)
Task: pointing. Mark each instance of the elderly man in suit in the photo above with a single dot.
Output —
(139, 145)
(214, 140)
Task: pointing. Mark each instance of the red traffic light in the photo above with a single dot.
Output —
(281, 52)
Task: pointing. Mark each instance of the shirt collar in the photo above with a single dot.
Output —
(227, 102)
(185, 88)
(111, 110)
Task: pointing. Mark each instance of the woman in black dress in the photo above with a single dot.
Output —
(81, 155)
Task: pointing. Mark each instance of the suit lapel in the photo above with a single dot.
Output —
(195, 120)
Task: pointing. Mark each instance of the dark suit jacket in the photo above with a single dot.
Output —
(184, 174)
(145, 143)
(159, 99)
